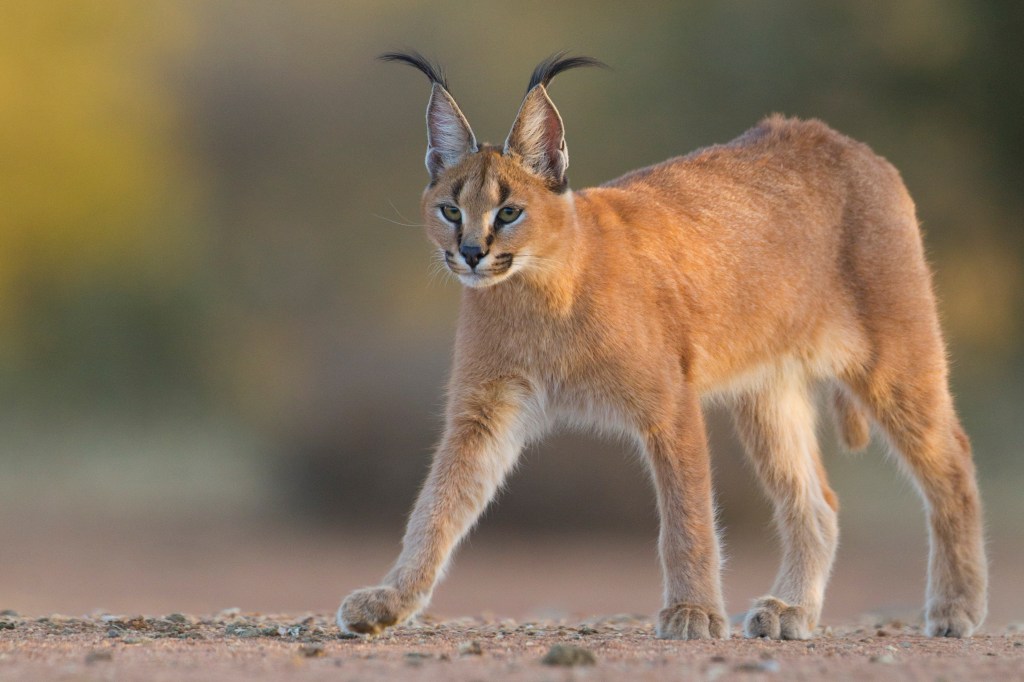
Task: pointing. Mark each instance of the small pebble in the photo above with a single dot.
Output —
(885, 659)
(136, 623)
(242, 631)
(97, 656)
(568, 655)
(416, 658)
(766, 666)
(470, 648)
(312, 650)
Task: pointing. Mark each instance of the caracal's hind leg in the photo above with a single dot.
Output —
(776, 425)
(908, 394)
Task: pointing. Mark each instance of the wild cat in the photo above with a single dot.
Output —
(752, 271)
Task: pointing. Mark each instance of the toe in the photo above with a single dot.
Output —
(793, 624)
(718, 626)
(698, 627)
(762, 623)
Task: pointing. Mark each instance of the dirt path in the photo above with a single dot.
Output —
(234, 646)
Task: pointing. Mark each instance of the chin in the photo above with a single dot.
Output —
(475, 281)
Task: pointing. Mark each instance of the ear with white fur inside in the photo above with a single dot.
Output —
(538, 138)
(449, 136)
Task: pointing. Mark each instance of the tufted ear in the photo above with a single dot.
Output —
(449, 136)
(538, 138)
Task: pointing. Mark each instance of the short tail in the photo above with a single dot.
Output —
(854, 428)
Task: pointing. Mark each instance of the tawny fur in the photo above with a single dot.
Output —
(750, 271)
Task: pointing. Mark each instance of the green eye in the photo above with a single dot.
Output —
(509, 214)
(451, 213)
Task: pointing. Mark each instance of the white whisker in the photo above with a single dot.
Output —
(397, 222)
(541, 263)
(397, 212)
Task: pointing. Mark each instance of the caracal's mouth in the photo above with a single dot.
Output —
(485, 274)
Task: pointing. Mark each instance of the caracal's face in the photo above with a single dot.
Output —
(490, 218)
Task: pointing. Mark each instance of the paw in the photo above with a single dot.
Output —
(371, 610)
(775, 619)
(689, 621)
(950, 620)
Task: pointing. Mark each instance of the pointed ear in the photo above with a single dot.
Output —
(449, 136)
(538, 138)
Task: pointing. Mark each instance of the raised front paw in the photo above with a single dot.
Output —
(373, 609)
(775, 619)
(950, 620)
(689, 621)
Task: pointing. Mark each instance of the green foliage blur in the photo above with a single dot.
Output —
(208, 209)
(95, 199)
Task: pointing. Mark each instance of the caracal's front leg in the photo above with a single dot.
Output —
(678, 453)
(487, 424)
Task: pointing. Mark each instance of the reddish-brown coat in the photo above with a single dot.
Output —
(748, 271)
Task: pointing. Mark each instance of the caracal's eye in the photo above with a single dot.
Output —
(509, 214)
(451, 213)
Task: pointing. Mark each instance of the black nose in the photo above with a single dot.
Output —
(472, 254)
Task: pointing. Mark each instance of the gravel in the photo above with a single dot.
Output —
(236, 645)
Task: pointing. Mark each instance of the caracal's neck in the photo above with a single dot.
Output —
(550, 283)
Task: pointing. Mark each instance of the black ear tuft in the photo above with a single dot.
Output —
(449, 137)
(556, 64)
(414, 59)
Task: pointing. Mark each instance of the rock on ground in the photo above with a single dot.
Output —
(232, 645)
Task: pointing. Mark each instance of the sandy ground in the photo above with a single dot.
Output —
(237, 646)
(530, 592)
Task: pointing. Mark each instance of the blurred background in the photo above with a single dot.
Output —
(222, 347)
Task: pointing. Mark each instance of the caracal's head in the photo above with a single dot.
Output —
(495, 211)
